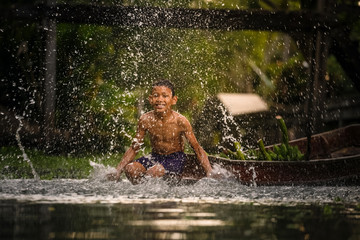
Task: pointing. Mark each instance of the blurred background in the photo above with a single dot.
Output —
(78, 84)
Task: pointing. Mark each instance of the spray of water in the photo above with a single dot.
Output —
(100, 172)
(231, 131)
(25, 156)
(253, 176)
(223, 173)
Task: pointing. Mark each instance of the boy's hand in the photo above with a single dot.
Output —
(118, 175)
(111, 176)
(115, 176)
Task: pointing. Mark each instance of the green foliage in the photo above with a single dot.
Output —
(284, 131)
(13, 165)
(238, 154)
(338, 82)
(281, 152)
(284, 151)
(289, 79)
(263, 151)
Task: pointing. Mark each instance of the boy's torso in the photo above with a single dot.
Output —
(166, 135)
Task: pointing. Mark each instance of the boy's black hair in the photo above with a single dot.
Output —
(165, 83)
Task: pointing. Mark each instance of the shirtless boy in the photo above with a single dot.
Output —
(166, 129)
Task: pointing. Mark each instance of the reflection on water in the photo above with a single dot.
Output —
(208, 209)
(176, 220)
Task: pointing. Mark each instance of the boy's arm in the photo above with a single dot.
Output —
(199, 151)
(131, 152)
(126, 159)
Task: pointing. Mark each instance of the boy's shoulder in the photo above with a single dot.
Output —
(148, 116)
(179, 115)
(181, 119)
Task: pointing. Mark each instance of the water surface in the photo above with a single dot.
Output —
(209, 209)
(95, 208)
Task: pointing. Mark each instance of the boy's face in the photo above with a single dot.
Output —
(161, 99)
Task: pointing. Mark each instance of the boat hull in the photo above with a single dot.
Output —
(345, 170)
(336, 160)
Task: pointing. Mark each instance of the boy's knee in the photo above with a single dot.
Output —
(157, 170)
(134, 170)
(134, 167)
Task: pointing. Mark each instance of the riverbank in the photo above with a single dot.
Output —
(13, 164)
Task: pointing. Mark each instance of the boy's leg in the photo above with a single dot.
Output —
(134, 172)
(156, 171)
(174, 163)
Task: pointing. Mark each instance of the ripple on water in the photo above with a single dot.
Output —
(206, 190)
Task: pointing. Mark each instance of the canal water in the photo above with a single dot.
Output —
(208, 209)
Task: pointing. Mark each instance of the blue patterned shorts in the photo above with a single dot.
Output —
(173, 163)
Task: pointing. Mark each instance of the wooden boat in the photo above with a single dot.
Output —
(334, 159)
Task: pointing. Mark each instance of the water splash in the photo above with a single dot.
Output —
(96, 189)
(229, 122)
(205, 190)
(100, 171)
(223, 173)
(253, 176)
(25, 156)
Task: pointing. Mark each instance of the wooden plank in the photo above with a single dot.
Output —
(287, 21)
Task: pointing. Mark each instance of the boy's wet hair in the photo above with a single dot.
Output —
(165, 83)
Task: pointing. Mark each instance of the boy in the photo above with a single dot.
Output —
(166, 129)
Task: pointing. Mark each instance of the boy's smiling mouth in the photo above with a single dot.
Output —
(160, 105)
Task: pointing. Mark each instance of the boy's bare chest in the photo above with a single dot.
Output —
(164, 131)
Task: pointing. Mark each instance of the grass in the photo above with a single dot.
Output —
(13, 165)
